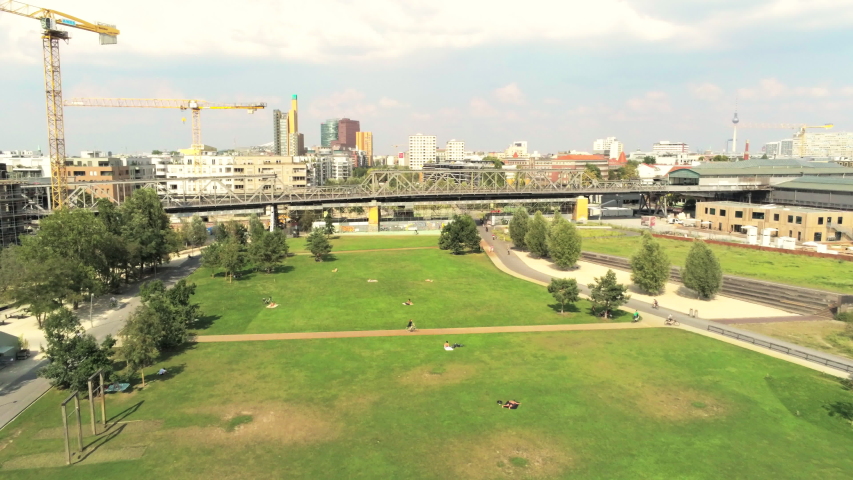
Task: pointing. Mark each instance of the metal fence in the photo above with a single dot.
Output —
(781, 348)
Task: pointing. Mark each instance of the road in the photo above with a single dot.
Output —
(514, 263)
(19, 384)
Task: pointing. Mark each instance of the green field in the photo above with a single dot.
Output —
(343, 243)
(466, 291)
(628, 404)
(819, 273)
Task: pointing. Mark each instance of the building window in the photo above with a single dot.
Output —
(758, 215)
(817, 236)
(839, 220)
(713, 211)
(738, 214)
(722, 213)
(790, 219)
(799, 220)
(820, 220)
(775, 217)
(706, 209)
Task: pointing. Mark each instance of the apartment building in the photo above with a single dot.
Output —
(454, 151)
(244, 174)
(670, 147)
(364, 142)
(102, 169)
(422, 150)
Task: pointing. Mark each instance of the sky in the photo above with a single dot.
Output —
(557, 74)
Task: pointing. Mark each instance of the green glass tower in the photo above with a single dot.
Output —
(329, 132)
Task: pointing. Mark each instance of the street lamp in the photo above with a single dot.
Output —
(91, 301)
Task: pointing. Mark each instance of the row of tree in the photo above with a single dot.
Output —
(558, 240)
(605, 293)
(77, 253)
(651, 268)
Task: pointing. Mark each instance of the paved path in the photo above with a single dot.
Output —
(372, 250)
(799, 318)
(507, 260)
(432, 331)
(19, 385)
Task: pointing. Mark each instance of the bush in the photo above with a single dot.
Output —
(845, 316)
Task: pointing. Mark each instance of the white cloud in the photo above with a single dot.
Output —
(651, 102)
(347, 103)
(510, 94)
(333, 30)
(771, 88)
(482, 108)
(386, 102)
(706, 91)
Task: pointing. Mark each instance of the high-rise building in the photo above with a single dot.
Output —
(771, 149)
(295, 145)
(608, 146)
(364, 142)
(346, 133)
(329, 132)
(279, 127)
(292, 117)
(786, 147)
(835, 144)
(454, 151)
(421, 150)
(516, 149)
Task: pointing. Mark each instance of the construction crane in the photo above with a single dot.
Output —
(195, 106)
(51, 20)
(799, 127)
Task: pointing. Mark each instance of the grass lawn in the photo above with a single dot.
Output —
(466, 291)
(825, 335)
(819, 273)
(341, 243)
(632, 404)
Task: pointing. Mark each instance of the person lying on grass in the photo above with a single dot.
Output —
(511, 404)
(408, 302)
(447, 346)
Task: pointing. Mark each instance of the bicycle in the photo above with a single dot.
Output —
(671, 323)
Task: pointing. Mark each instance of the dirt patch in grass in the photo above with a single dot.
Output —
(434, 376)
(510, 455)
(679, 404)
(11, 439)
(58, 459)
(280, 423)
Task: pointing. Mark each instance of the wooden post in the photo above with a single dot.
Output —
(92, 408)
(65, 426)
(103, 401)
(79, 423)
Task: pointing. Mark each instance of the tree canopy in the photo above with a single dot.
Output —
(650, 266)
(459, 235)
(702, 272)
(607, 294)
(518, 226)
(74, 355)
(564, 290)
(536, 238)
(564, 243)
(318, 244)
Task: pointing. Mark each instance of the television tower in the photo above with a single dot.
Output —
(734, 135)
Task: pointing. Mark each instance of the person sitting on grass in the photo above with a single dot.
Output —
(162, 371)
(510, 404)
(447, 346)
(411, 327)
(408, 302)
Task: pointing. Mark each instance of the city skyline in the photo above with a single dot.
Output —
(645, 72)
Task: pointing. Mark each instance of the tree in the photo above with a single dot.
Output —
(564, 290)
(720, 158)
(318, 244)
(306, 220)
(256, 227)
(156, 152)
(220, 233)
(268, 250)
(146, 228)
(495, 161)
(564, 243)
(329, 228)
(606, 294)
(139, 340)
(702, 272)
(197, 234)
(172, 311)
(459, 235)
(210, 257)
(593, 171)
(650, 266)
(518, 227)
(232, 258)
(764, 157)
(649, 160)
(74, 356)
(536, 238)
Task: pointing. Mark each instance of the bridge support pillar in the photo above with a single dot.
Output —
(273, 209)
(373, 218)
(581, 212)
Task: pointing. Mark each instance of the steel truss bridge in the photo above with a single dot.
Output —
(386, 186)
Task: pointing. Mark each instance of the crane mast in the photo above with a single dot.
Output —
(51, 20)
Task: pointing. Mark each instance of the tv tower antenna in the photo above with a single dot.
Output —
(734, 135)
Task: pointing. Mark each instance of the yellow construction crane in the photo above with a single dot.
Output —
(196, 106)
(51, 21)
(800, 127)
